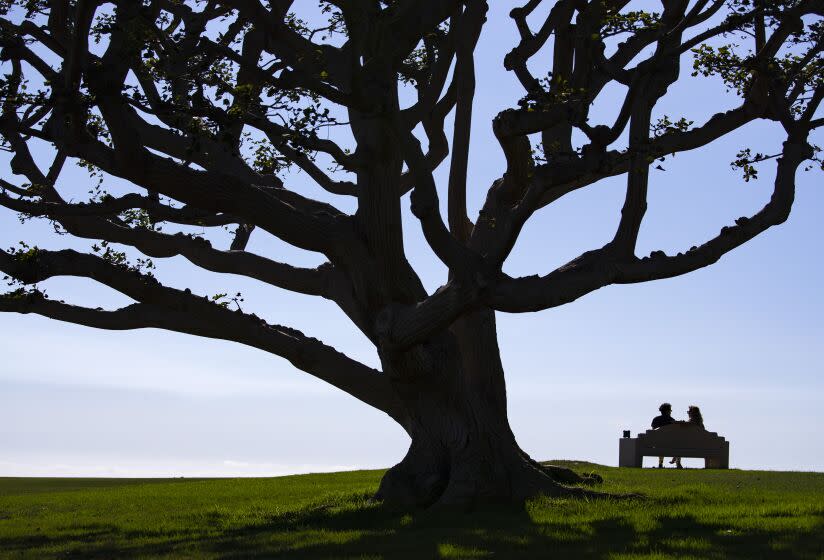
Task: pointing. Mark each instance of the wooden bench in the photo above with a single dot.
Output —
(675, 440)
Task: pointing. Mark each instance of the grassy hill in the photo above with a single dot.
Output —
(686, 514)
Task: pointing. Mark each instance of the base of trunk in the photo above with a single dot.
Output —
(433, 476)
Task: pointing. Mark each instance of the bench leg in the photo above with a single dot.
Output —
(725, 457)
(628, 455)
(720, 461)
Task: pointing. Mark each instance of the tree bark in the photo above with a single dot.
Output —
(463, 452)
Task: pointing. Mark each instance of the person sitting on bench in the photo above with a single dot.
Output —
(664, 419)
(695, 419)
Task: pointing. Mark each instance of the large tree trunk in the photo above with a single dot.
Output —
(463, 452)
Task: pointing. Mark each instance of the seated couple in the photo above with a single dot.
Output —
(695, 419)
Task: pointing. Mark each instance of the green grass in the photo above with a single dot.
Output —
(685, 514)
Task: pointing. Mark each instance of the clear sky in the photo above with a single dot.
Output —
(742, 339)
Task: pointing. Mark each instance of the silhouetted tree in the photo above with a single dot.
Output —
(207, 108)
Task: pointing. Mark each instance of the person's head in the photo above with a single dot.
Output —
(694, 413)
(665, 409)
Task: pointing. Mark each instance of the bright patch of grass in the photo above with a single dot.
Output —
(685, 514)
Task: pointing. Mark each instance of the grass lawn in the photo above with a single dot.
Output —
(686, 514)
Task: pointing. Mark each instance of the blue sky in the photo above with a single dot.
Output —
(742, 339)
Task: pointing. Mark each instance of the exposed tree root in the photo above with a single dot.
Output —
(427, 479)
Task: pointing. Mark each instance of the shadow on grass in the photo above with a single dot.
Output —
(372, 531)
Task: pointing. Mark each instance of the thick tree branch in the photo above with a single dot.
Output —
(600, 268)
(176, 310)
(111, 207)
(297, 220)
(155, 244)
(775, 212)
(469, 27)
(425, 207)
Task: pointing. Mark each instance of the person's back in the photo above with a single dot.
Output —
(664, 419)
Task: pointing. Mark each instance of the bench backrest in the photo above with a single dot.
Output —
(681, 436)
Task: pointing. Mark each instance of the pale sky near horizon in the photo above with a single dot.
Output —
(742, 339)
